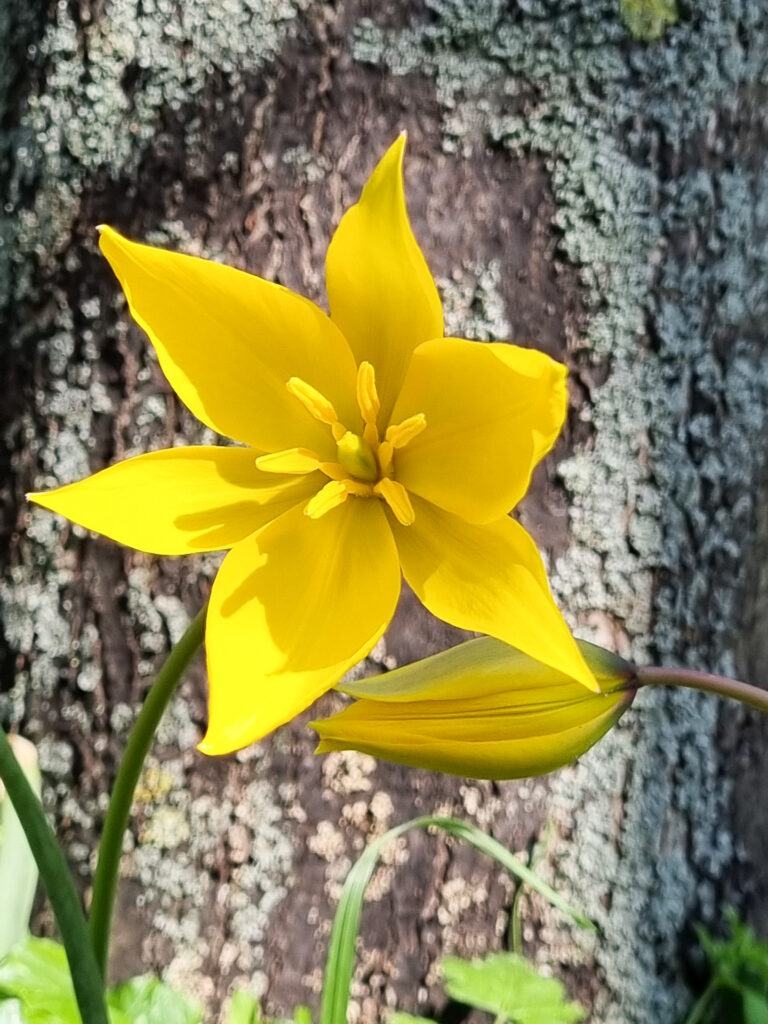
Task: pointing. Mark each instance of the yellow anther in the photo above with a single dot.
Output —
(292, 460)
(368, 401)
(315, 403)
(397, 498)
(329, 497)
(356, 456)
(403, 433)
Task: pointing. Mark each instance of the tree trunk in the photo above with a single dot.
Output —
(595, 196)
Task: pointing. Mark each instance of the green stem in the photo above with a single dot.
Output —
(700, 1007)
(58, 883)
(753, 696)
(128, 772)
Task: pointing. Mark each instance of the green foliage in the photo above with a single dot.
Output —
(37, 975)
(36, 988)
(738, 987)
(243, 1009)
(647, 20)
(341, 952)
(147, 1000)
(507, 986)
(18, 871)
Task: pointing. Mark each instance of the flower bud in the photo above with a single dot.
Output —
(482, 710)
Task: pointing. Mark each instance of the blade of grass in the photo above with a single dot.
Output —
(341, 951)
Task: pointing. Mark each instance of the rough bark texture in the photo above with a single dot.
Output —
(597, 197)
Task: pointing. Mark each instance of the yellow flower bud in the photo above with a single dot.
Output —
(483, 710)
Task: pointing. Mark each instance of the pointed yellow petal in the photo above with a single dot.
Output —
(292, 608)
(486, 668)
(478, 740)
(228, 342)
(295, 461)
(180, 500)
(492, 411)
(490, 579)
(381, 292)
(481, 709)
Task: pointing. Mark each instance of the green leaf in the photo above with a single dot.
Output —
(647, 20)
(243, 1008)
(740, 961)
(755, 1007)
(341, 951)
(37, 974)
(147, 1000)
(507, 986)
(302, 1015)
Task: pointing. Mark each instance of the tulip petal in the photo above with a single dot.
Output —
(292, 608)
(486, 668)
(487, 741)
(492, 411)
(180, 500)
(380, 290)
(487, 578)
(229, 341)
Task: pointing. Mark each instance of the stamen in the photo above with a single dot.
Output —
(368, 401)
(315, 403)
(403, 433)
(329, 497)
(359, 489)
(293, 460)
(397, 498)
(384, 454)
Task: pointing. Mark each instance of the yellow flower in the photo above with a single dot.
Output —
(482, 710)
(371, 444)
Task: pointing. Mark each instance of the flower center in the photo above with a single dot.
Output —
(356, 456)
(366, 462)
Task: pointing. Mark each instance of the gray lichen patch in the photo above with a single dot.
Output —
(669, 242)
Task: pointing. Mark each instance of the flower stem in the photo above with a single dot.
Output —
(128, 772)
(58, 884)
(699, 1010)
(707, 683)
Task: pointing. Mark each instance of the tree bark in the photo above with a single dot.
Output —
(597, 197)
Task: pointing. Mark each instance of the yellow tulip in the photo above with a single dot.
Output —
(371, 445)
(482, 710)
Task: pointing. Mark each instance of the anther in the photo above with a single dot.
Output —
(398, 500)
(403, 433)
(368, 401)
(329, 497)
(313, 401)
